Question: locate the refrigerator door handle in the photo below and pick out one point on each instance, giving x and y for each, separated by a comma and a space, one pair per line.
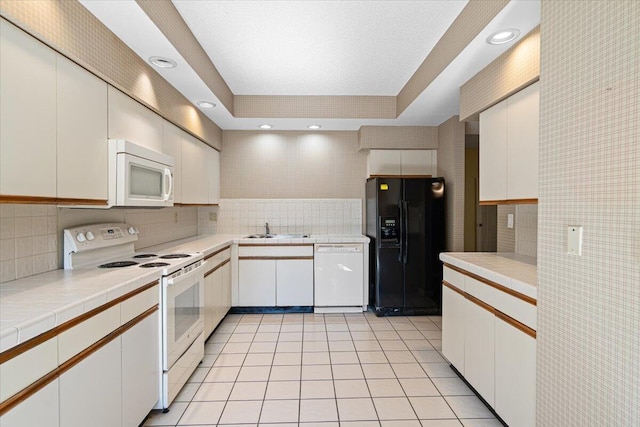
401, 216
405, 235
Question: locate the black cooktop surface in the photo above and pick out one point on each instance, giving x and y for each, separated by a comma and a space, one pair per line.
175, 256
154, 264
118, 264
145, 256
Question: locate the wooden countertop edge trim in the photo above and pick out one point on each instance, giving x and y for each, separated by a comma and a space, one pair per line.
509, 202
217, 267
33, 388
12, 199
217, 252
513, 322
255, 258
274, 244
37, 340
480, 303
497, 286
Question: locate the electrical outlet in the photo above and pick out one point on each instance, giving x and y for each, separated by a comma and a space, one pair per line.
574, 240
213, 216
175, 217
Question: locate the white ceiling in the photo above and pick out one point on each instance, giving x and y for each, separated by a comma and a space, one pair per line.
356, 48
318, 47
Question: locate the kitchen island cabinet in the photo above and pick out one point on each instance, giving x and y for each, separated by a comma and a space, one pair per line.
488, 335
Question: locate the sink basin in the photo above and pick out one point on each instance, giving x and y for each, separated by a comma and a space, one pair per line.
277, 236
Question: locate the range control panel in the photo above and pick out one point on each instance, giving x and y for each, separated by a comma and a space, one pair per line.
389, 231
96, 236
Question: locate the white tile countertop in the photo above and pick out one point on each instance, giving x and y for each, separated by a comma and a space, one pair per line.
36, 304
516, 272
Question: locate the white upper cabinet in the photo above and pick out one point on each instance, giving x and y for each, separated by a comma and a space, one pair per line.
172, 137
194, 185
509, 134
523, 136
134, 122
212, 174
493, 153
81, 133
402, 162
27, 115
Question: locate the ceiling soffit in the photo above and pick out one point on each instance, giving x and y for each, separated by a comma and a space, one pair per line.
473, 18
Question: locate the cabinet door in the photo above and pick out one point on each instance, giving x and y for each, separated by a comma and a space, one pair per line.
194, 186
479, 350
130, 120
82, 133
27, 115
416, 162
226, 288
91, 391
294, 282
385, 162
140, 370
212, 175
40, 410
453, 310
515, 376
256, 283
522, 151
172, 138
493, 153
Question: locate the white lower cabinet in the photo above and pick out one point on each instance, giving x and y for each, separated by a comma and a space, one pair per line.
257, 283
90, 392
479, 337
140, 370
453, 310
515, 394
294, 282
40, 410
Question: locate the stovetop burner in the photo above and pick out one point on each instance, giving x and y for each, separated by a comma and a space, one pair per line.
118, 264
154, 264
175, 256
145, 256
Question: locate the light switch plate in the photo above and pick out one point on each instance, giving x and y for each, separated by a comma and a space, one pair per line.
574, 240
509, 220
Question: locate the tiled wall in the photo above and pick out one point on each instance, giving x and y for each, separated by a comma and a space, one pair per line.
523, 237
589, 306
506, 236
398, 137
292, 165
451, 156
28, 240
285, 216
31, 235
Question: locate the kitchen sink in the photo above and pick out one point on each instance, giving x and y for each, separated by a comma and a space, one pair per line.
277, 236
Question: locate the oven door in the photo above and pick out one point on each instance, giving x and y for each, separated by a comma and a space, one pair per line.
142, 182
183, 317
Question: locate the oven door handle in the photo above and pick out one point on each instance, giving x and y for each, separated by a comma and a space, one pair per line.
182, 277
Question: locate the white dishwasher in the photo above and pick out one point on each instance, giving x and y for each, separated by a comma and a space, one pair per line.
338, 278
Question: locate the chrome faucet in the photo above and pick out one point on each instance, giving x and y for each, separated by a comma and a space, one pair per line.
266, 228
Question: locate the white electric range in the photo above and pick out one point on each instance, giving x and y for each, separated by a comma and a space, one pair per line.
111, 246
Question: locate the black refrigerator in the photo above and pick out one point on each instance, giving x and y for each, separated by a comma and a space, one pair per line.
406, 225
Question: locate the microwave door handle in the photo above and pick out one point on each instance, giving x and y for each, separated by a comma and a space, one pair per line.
176, 280
168, 177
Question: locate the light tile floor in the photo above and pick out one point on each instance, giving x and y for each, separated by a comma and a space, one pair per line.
314, 370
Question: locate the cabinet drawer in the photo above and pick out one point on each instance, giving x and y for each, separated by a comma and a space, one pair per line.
138, 304
81, 336
480, 290
454, 277
516, 308
219, 258
22, 370
279, 251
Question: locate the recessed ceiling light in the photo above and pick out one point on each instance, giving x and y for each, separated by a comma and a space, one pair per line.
205, 104
265, 126
503, 36
314, 127
162, 62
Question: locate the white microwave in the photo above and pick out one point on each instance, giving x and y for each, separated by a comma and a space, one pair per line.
138, 176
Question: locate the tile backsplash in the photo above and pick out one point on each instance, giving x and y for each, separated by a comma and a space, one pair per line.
28, 240
293, 216
523, 238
